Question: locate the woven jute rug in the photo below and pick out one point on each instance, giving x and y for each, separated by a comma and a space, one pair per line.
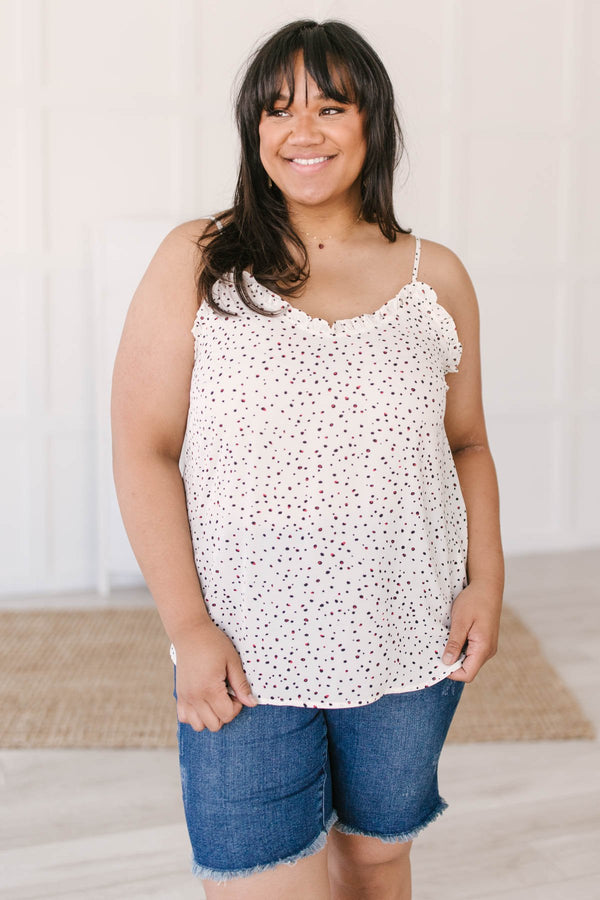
103, 678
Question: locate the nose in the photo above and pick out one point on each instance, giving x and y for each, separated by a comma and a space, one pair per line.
305, 130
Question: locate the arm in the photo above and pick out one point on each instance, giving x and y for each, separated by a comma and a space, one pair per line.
476, 610
149, 408
149, 402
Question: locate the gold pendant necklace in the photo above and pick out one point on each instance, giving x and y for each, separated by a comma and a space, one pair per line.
321, 241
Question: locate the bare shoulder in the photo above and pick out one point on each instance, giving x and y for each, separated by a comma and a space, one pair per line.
195, 228
154, 361
170, 280
184, 238
442, 268
192, 229
165, 301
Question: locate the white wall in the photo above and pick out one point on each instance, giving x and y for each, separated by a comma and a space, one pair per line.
122, 110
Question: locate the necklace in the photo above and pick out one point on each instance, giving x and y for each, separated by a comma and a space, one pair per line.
329, 237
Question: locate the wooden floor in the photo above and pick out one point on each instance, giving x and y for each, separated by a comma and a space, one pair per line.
523, 821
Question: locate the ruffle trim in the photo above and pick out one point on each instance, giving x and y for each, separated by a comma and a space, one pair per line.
225, 294
348, 326
315, 324
414, 293
445, 328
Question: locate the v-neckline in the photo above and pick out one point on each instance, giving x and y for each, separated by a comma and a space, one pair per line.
360, 322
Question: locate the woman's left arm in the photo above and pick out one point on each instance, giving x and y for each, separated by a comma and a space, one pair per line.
475, 617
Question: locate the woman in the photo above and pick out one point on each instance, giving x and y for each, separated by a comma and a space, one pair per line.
315, 551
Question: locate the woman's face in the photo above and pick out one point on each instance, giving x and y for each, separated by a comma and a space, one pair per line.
313, 149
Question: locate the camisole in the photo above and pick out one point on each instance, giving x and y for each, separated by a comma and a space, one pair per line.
327, 521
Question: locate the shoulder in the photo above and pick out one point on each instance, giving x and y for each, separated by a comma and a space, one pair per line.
169, 286
192, 229
179, 252
187, 233
442, 268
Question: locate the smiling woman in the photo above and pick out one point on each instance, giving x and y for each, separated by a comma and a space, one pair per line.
329, 567
344, 109
312, 150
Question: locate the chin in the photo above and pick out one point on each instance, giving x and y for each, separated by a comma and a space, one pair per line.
312, 198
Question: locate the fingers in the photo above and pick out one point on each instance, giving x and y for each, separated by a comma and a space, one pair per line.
213, 686
476, 656
238, 681
468, 670
224, 707
455, 644
475, 622
211, 714
188, 715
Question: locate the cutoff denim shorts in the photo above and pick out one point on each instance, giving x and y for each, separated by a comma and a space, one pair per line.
268, 786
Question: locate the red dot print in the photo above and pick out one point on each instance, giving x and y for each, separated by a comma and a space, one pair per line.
325, 511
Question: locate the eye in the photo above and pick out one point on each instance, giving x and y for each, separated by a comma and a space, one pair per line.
332, 109
276, 112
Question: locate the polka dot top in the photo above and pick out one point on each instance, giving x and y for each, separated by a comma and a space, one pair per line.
327, 520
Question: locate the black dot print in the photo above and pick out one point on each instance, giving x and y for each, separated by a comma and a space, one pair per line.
327, 520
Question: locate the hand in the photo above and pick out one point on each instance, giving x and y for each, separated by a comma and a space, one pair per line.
475, 618
206, 657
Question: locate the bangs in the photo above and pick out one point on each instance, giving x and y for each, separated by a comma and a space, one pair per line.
337, 76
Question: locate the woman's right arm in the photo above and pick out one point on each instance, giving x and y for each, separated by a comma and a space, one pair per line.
149, 407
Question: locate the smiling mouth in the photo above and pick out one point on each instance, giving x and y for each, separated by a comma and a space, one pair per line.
313, 161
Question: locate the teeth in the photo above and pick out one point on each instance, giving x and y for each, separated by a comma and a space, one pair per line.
311, 162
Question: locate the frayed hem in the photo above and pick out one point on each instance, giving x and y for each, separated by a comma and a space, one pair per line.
393, 838
222, 875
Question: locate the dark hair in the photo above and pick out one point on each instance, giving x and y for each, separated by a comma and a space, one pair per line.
346, 69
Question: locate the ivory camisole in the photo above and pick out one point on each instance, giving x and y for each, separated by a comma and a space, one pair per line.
327, 520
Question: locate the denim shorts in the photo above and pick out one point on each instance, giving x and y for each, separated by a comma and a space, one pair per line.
267, 787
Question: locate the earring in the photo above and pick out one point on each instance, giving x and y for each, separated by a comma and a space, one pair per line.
270, 183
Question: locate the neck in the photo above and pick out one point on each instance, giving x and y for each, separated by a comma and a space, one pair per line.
319, 221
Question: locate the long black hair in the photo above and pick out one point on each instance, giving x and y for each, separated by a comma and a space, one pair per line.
254, 230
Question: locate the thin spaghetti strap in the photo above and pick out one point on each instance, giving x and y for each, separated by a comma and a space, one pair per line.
417, 255
217, 222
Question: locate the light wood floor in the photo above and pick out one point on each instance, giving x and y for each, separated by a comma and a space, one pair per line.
523, 821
